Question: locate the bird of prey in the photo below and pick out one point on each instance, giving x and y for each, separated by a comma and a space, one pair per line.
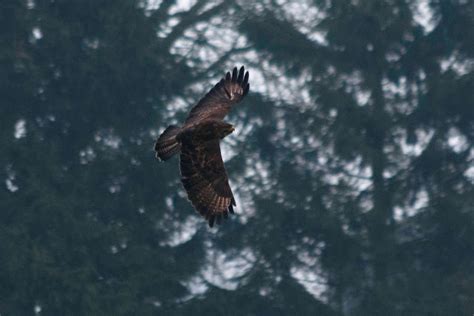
202, 170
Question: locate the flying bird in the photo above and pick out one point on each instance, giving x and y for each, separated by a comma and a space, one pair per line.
202, 169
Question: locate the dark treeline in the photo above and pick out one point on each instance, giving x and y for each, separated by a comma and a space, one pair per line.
352, 159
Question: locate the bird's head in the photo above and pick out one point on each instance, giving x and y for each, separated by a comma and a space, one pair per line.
225, 129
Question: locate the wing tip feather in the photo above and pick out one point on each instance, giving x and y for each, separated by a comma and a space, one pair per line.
211, 220
246, 89
240, 78
246, 78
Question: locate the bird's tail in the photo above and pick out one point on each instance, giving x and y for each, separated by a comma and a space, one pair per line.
167, 145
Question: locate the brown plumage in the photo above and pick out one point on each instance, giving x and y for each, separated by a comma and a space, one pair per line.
202, 170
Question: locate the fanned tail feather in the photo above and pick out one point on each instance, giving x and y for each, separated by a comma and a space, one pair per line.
167, 145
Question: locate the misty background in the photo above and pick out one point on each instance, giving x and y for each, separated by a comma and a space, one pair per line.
351, 163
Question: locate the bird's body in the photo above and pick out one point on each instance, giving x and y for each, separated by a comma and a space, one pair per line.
202, 170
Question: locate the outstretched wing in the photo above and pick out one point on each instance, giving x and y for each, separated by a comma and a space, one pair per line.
219, 100
205, 179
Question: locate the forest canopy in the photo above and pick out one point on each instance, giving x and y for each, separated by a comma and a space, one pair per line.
351, 160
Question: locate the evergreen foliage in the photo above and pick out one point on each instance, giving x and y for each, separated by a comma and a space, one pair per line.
352, 161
